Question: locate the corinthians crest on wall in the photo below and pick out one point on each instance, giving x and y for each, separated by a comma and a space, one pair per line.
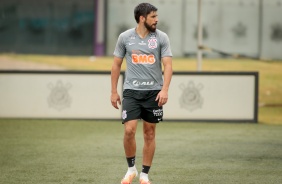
59, 97
191, 98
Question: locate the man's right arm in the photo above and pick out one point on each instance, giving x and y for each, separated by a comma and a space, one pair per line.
115, 73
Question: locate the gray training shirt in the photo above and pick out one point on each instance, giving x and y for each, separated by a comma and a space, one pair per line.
143, 58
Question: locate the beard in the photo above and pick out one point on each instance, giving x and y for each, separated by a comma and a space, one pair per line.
150, 28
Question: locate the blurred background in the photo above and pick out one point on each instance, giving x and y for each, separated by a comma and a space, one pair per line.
91, 27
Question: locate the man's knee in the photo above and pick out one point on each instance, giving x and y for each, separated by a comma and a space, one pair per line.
129, 132
130, 129
149, 134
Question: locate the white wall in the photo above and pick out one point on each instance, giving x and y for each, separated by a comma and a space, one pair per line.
212, 96
205, 96
56, 95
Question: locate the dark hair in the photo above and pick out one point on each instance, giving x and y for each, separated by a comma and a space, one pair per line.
143, 9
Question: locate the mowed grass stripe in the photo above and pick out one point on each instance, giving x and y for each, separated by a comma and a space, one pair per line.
73, 151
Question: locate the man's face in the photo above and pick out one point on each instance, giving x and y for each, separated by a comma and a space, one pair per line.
151, 21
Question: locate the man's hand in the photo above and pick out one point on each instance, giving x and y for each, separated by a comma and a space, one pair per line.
162, 97
115, 99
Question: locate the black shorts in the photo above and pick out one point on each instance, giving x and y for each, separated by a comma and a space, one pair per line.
141, 104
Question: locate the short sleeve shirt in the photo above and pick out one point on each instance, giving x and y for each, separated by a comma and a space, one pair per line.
143, 58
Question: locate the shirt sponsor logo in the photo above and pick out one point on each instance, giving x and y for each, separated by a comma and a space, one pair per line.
142, 43
158, 112
143, 59
138, 83
152, 43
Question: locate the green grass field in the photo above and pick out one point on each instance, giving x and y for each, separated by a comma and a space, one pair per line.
72, 151
91, 152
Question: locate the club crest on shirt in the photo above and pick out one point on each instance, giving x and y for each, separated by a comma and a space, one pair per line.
152, 43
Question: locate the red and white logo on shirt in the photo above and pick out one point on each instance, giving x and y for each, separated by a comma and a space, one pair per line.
143, 59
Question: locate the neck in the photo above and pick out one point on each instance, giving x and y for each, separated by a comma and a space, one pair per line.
142, 31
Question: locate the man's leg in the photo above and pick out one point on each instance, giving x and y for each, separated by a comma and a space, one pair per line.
149, 130
129, 143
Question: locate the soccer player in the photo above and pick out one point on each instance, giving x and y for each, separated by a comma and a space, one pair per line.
145, 90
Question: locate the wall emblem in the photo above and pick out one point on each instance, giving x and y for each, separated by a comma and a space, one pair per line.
239, 30
59, 97
191, 98
152, 43
276, 32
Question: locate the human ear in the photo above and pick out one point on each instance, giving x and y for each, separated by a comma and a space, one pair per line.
142, 18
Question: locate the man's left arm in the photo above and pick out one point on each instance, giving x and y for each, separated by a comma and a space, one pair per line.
162, 97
